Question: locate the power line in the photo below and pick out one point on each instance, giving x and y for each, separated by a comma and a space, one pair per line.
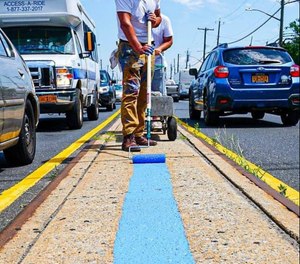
254, 29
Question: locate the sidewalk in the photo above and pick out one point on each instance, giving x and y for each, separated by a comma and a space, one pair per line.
79, 220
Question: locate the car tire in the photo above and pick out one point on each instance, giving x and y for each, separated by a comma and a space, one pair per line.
23, 153
290, 118
172, 129
75, 116
175, 99
110, 107
194, 114
257, 115
93, 109
210, 117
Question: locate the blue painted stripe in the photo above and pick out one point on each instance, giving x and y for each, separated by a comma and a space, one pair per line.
83, 74
151, 230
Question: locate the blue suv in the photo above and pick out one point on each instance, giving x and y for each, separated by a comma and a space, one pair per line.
241, 80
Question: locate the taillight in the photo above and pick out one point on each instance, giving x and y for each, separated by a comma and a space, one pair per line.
221, 72
295, 71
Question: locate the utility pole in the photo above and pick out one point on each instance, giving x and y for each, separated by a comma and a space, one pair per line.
218, 37
171, 71
205, 31
177, 62
187, 59
281, 23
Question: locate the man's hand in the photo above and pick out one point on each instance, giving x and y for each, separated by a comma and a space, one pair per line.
146, 49
151, 17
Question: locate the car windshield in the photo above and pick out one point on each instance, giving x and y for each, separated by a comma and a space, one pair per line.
41, 40
103, 77
255, 56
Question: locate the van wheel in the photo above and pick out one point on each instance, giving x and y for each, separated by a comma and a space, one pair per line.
110, 107
93, 109
257, 115
75, 116
172, 128
210, 118
23, 153
290, 118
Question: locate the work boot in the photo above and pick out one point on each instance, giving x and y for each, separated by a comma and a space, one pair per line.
142, 141
129, 142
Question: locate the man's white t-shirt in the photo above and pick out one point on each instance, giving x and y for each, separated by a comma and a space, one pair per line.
164, 30
137, 9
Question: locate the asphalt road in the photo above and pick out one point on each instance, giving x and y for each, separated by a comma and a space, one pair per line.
53, 136
266, 142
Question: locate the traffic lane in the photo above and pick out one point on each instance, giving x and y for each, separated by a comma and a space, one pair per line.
53, 135
266, 142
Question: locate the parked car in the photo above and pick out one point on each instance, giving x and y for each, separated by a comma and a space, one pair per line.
172, 89
19, 106
243, 80
107, 93
119, 92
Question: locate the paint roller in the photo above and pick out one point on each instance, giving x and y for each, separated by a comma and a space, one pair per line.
148, 158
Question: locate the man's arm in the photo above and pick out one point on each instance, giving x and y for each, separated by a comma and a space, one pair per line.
128, 29
167, 43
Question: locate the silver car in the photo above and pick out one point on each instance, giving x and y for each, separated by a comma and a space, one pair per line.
19, 106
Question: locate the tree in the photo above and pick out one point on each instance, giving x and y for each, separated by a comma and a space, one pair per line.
292, 43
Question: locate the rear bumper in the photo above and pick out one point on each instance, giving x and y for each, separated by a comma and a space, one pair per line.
269, 99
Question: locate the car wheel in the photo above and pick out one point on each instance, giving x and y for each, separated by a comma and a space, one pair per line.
172, 129
290, 118
175, 99
93, 109
75, 116
210, 117
23, 153
194, 114
257, 115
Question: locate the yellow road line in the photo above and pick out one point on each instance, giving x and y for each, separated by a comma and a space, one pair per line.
10, 195
269, 179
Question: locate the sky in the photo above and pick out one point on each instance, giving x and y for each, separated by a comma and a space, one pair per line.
187, 16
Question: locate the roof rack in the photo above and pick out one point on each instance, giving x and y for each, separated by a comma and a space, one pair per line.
222, 45
273, 44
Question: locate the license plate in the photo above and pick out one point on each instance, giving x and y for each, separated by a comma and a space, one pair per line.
48, 98
260, 78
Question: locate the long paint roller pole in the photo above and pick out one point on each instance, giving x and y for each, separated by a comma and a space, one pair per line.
149, 77
149, 158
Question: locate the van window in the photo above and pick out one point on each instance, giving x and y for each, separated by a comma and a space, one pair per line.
41, 39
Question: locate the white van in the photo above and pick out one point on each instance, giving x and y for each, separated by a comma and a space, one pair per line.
184, 80
57, 40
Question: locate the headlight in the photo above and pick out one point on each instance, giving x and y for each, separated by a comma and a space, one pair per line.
64, 77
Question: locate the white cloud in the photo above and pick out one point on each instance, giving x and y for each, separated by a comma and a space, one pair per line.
191, 3
196, 3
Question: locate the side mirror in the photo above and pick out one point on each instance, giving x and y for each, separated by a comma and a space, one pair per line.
89, 41
84, 55
193, 72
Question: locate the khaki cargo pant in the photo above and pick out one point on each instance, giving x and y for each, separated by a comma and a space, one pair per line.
134, 100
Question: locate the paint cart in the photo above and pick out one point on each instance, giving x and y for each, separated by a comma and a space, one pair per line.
162, 119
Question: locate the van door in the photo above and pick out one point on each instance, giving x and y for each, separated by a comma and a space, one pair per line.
80, 67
